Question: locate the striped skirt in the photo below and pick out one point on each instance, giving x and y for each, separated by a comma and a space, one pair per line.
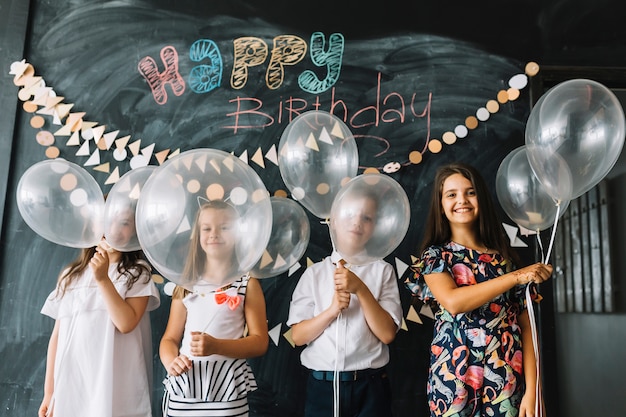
210, 388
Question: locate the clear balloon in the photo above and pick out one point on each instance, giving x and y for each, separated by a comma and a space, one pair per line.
288, 240
522, 196
204, 185
62, 203
576, 128
317, 153
369, 218
120, 207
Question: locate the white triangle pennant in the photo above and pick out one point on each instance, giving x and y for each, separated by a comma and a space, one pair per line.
401, 267
272, 156
109, 138
325, 137
94, 159
184, 226
293, 268
275, 333
519, 243
114, 177
83, 150
148, 150
511, 232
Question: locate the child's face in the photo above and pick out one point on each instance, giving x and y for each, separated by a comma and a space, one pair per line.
354, 224
458, 200
217, 233
122, 228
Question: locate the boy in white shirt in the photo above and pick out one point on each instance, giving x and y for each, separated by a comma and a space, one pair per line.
347, 312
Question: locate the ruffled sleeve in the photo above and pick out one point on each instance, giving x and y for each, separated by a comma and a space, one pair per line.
52, 305
431, 261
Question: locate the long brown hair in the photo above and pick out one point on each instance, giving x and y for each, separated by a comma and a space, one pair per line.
489, 227
129, 265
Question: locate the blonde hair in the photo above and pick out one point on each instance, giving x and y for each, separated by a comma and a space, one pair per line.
196, 258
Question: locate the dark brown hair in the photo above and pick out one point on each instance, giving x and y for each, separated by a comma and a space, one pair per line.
488, 227
129, 264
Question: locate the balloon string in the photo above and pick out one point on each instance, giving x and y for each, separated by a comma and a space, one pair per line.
556, 220
326, 221
540, 243
336, 370
533, 326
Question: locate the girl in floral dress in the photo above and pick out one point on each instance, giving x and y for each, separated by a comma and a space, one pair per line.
482, 361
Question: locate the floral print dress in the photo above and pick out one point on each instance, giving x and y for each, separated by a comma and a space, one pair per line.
476, 357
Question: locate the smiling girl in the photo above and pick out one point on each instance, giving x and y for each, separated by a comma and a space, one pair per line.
482, 361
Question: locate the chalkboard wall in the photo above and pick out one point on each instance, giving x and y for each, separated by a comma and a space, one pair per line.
400, 82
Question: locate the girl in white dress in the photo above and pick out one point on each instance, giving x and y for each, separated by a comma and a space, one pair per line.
99, 361
213, 326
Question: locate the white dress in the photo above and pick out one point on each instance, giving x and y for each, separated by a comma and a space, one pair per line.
100, 372
216, 385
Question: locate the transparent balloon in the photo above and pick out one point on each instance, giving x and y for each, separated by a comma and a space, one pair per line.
62, 203
523, 197
288, 240
205, 184
369, 218
578, 127
120, 208
317, 153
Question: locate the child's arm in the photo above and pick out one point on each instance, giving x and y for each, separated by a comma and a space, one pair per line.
45, 408
527, 406
306, 331
378, 319
254, 344
174, 363
125, 313
466, 298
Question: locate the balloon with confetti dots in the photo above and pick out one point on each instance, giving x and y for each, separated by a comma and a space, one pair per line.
317, 154
62, 203
171, 200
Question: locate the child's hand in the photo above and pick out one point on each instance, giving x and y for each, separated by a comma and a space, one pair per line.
202, 344
44, 409
99, 263
346, 280
341, 301
527, 406
536, 273
179, 365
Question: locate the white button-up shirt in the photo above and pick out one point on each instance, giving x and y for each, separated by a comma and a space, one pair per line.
347, 341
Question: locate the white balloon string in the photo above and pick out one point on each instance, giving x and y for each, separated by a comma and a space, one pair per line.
533, 326
556, 220
336, 370
540, 243
327, 223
